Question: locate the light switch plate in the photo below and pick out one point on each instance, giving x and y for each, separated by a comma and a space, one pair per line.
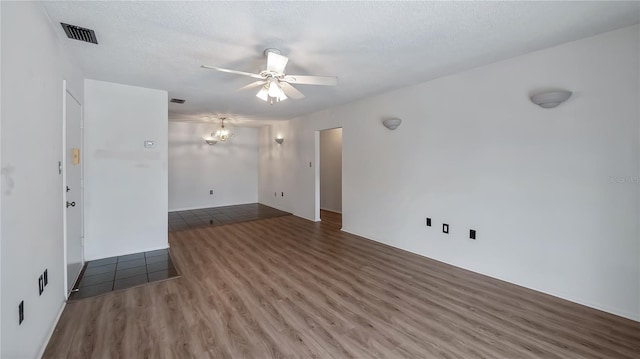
149, 144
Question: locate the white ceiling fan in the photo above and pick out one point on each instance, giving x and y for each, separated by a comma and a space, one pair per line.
276, 85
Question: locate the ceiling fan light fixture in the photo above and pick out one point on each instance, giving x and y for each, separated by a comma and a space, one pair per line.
271, 92
263, 94
274, 90
281, 96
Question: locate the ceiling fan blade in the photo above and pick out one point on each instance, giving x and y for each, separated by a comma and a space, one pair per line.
276, 63
291, 91
252, 85
255, 76
311, 80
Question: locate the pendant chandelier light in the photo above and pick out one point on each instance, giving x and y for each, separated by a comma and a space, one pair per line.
222, 134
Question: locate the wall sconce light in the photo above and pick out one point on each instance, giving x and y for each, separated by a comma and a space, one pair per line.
279, 140
211, 142
550, 99
392, 123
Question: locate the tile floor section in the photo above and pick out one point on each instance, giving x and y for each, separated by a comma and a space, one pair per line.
105, 275
221, 215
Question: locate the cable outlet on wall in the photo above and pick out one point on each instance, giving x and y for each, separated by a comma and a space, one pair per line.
40, 284
46, 277
211, 192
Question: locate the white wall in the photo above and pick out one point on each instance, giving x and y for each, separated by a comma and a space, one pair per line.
0, 187
331, 170
33, 68
229, 168
125, 183
286, 168
553, 193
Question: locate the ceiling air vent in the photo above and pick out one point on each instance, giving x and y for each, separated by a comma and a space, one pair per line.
177, 100
79, 33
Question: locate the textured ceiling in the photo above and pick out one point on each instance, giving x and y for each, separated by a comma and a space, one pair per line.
372, 47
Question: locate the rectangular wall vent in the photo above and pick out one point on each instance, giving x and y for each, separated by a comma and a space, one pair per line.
79, 33
177, 100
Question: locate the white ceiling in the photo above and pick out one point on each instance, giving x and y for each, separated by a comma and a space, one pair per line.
372, 47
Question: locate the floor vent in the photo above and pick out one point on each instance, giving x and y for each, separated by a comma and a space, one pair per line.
177, 100
79, 33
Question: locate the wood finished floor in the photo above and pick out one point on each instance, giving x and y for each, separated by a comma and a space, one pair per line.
289, 288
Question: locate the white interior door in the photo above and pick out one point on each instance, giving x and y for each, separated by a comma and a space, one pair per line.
73, 190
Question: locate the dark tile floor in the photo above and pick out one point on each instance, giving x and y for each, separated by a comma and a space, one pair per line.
221, 215
108, 274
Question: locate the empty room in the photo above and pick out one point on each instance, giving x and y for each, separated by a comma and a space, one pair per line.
314, 179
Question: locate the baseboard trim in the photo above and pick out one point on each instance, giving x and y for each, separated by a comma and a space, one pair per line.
331, 210
597, 306
51, 330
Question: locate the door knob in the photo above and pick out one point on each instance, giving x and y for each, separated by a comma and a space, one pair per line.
71, 204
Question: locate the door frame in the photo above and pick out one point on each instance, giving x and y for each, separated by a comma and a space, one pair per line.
65, 93
316, 174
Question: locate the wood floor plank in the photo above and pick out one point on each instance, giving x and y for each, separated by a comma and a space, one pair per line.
450, 299
289, 288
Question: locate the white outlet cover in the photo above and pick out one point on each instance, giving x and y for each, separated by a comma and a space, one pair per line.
149, 144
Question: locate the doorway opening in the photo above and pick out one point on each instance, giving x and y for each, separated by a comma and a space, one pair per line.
329, 176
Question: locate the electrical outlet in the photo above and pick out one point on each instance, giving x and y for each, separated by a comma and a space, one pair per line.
46, 277
472, 234
20, 312
428, 222
211, 192
40, 285
282, 194
445, 228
